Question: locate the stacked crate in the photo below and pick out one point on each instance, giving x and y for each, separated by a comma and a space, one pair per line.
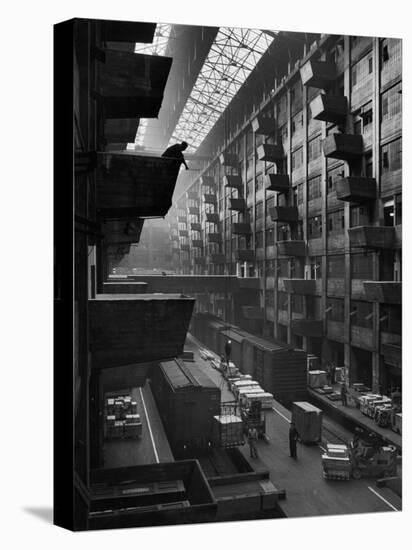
227, 430
122, 419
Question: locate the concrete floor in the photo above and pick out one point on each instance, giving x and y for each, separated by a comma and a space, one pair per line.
152, 447
307, 493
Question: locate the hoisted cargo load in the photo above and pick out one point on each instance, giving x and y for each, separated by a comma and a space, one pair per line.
227, 430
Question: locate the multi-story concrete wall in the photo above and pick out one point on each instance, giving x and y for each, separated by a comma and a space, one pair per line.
310, 188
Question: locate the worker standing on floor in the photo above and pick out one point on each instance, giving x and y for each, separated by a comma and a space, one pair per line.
344, 395
252, 436
332, 373
293, 438
228, 350
176, 152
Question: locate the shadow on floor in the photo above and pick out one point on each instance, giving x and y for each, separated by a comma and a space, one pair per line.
42, 512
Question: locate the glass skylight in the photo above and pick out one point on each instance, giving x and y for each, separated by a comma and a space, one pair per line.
159, 44
232, 57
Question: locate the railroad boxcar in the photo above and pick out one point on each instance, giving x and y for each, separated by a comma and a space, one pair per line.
280, 369
187, 400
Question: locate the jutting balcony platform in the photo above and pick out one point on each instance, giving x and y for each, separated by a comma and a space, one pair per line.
168, 493
248, 283
207, 181
122, 231
384, 292
234, 182
117, 251
307, 327
330, 108
197, 284
368, 236
192, 195
120, 130
286, 214
229, 159
356, 189
252, 312
292, 248
277, 182
238, 205
209, 198
270, 153
242, 255
129, 84
300, 286
133, 328
392, 354
195, 227
212, 217
264, 126
241, 229
131, 186
127, 31
113, 287
196, 243
343, 146
318, 74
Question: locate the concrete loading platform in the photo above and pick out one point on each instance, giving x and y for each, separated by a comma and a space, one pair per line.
350, 416
151, 448
307, 493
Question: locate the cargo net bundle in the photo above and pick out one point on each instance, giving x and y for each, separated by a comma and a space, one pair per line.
228, 426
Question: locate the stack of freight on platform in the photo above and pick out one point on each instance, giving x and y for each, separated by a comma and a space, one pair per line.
227, 430
122, 419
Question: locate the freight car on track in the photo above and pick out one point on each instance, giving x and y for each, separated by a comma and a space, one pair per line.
187, 400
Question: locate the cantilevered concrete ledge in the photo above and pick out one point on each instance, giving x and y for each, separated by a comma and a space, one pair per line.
133, 328
196, 284
385, 292
300, 286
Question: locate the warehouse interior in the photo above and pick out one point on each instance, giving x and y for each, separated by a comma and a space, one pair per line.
261, 288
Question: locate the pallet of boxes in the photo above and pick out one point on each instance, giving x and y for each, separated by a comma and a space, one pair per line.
122, 420
227, 430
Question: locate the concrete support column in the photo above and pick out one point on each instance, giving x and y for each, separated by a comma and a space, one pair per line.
349, 374
289, 171
378, 214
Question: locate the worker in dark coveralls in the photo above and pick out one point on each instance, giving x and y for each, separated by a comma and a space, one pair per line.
332, 374
176, 152
293, 438
228, 350
252, 436
344, 395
